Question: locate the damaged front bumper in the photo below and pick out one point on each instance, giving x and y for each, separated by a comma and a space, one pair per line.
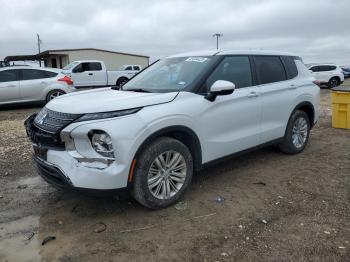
65, 169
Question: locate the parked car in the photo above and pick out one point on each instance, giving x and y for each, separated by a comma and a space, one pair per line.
346, 72
327, 74
23, 84
175, 117
93, 73
4, 63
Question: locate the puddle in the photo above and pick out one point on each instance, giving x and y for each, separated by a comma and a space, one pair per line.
14, 243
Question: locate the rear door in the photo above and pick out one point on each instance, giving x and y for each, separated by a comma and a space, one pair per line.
276, 92
9, 86
325, 73
33, 83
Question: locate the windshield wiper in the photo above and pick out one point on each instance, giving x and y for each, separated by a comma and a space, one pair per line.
138, 90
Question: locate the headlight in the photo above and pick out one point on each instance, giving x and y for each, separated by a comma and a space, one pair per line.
102, 143
96, 116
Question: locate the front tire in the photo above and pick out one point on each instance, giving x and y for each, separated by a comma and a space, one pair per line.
297, 133
163, 173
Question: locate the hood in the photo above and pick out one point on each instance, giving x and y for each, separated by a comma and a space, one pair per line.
105, 100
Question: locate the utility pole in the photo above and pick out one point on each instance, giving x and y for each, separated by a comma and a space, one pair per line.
39, 43
217, 35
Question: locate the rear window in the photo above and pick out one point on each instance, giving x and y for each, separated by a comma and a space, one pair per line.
291, 67
32, 74
9, 75
270, 69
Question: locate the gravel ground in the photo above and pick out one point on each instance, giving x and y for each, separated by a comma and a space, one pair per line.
276, 208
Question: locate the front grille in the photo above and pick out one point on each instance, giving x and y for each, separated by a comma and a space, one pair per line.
40, 137
52, 121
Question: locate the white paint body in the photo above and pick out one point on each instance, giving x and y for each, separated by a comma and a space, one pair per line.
100, 78
244, 119
31, 90
325, 76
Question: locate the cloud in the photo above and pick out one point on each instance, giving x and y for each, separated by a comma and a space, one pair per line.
318, 31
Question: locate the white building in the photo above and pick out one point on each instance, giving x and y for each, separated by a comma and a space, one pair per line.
61, 57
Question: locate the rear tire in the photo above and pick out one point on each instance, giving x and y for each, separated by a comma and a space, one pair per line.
53, 94
163, 173
297, 133
333, 82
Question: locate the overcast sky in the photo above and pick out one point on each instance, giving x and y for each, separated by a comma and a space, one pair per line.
319, 31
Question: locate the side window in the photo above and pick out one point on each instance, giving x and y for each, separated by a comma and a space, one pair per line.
8, 75
78, 69
136, 68
128, 68
235, 69
314, 69
92, 66
270, 69
332, 68
95, 66
324, 68
292, 70
50, 74
31, 74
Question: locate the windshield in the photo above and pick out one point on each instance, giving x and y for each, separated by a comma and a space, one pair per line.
70, 66
169, 75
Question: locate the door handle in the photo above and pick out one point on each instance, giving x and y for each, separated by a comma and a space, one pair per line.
252, 95
90, 74
11, 86
292, 87
43, 82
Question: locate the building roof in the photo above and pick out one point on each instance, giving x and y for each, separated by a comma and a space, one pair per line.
48, 52
87, 49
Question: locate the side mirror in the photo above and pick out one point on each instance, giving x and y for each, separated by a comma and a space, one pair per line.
220, 88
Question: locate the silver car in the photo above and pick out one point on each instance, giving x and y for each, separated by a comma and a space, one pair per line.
29, 84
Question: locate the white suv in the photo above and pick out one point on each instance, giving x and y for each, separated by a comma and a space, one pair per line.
177, 116
327, 74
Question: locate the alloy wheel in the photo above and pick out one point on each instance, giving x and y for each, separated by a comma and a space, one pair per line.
334, 83
167, 174
299, 132
55, 94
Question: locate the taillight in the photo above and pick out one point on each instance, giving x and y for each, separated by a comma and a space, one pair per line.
67, 80
316, 82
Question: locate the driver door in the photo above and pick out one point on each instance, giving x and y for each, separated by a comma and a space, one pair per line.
231, 123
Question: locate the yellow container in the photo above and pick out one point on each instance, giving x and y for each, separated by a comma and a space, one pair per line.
341, 107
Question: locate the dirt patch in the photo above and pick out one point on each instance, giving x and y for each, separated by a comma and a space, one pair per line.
272, 207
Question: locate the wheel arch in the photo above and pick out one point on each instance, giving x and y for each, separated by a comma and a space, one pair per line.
182, 133
308, 108
121, 78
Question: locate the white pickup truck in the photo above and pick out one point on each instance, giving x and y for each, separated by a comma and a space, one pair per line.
93, 73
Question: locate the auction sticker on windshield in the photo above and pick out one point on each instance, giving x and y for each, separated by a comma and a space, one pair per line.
196, 59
